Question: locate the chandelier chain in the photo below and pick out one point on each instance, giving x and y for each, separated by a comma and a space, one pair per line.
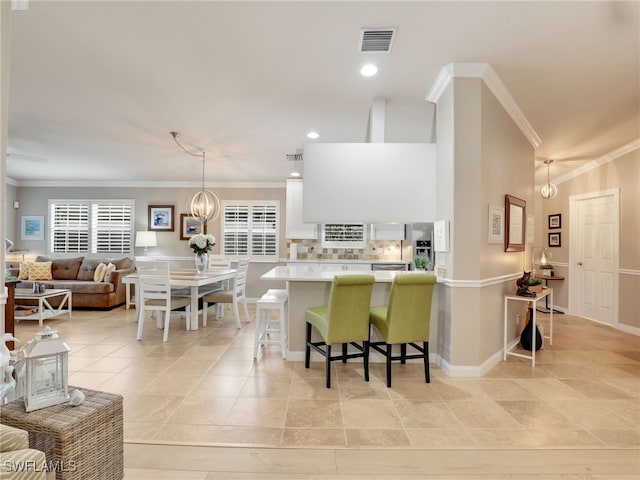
205, 205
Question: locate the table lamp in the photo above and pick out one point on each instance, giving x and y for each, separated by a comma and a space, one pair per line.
146, 239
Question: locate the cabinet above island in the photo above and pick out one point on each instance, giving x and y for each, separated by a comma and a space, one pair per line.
295, 227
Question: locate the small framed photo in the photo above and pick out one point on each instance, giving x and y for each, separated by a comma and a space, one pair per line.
495, 227
32, 228
161, 218
555, 239
190, 226
555, 221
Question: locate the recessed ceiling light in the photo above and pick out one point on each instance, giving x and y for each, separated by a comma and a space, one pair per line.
313, 135
369, 70
295, 174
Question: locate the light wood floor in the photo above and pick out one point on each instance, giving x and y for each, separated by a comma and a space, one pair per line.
200, 407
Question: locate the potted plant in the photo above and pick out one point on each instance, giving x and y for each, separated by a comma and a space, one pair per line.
547, 269
420, 263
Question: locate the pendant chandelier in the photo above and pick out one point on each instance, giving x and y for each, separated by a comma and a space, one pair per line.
205, 205
549, 190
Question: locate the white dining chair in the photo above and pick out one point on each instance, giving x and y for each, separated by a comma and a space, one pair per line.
154, 294
217, 262
234, 296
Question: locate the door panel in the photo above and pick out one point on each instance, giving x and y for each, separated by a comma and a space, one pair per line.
596, 257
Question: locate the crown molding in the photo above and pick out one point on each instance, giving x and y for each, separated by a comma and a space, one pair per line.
606, 158
493, 82
129, 184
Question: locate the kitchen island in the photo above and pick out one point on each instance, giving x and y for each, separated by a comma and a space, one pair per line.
309, 286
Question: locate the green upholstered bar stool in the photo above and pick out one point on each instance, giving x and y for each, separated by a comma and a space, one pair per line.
345, 320
406, 319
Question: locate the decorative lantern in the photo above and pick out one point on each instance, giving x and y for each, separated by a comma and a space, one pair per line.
45, 370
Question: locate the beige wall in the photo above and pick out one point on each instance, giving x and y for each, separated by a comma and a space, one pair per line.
482, 155
34, 201
622, 173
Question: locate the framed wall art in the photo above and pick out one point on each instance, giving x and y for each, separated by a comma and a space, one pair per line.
32, 227
555, 221
161, 218
555, 239
190, 226
495, 226
515, 213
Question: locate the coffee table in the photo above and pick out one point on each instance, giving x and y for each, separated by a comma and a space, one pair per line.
44, 308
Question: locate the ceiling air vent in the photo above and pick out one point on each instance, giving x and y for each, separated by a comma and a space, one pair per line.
377, 39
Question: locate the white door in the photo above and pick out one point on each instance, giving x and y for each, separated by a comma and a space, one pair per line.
594, 246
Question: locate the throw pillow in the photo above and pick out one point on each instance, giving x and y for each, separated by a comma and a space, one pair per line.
107, 271
98, 276
88, 269
40, 271
24, 271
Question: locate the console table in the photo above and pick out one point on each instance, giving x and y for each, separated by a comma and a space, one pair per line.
81, 443
545, 293
546, 279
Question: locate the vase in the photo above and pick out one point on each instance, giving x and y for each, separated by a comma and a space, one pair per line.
202, 260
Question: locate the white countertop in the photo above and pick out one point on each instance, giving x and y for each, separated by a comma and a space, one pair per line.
302, 273
340, 260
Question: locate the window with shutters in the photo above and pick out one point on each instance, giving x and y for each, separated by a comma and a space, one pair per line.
91, 226
251, 228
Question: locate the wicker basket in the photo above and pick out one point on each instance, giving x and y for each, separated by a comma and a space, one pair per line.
81, 443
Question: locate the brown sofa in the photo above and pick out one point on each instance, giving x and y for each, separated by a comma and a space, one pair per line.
77, 274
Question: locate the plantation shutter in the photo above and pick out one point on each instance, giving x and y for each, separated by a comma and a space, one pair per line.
236, 230
251, 229
264, 231
91, 226
69, 227
111, 227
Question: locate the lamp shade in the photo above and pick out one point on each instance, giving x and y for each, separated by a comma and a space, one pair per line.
146, 239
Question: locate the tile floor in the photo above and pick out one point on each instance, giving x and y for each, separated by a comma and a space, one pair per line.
203, 388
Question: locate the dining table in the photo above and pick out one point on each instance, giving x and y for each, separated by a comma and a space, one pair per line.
186, 278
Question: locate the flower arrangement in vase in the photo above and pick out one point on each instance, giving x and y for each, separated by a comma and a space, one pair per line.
201, 244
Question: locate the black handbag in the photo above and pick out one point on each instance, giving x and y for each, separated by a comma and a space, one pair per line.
525, 337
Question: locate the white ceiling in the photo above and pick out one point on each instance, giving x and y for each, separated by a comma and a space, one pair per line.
95, 87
